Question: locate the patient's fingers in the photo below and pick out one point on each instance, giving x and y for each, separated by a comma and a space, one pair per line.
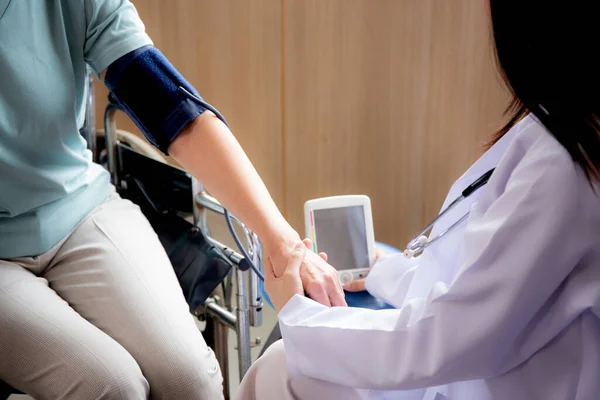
355, 286
323, 256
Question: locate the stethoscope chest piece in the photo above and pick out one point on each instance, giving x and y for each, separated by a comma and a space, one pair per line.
416, 246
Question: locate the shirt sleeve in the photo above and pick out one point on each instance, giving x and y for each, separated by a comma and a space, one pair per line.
113, 29
517, 254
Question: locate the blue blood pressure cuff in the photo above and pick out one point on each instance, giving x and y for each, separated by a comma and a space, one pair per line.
153, 94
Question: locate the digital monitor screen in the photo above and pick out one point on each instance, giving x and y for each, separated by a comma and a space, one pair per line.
341, 233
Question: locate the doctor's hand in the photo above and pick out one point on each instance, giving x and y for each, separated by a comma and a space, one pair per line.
282, 288
319, 280
359, 285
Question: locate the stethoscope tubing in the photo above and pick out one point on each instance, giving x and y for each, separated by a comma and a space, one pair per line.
420, 242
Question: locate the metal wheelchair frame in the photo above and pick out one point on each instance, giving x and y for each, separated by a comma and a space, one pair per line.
224, 315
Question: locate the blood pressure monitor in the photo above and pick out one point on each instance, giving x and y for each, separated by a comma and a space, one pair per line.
342, 227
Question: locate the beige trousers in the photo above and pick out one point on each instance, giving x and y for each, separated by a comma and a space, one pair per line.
101, 316
270, 379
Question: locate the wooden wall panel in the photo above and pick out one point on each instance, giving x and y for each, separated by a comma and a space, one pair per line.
230, 50
390, 98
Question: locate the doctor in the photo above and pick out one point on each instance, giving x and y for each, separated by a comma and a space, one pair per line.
506, 305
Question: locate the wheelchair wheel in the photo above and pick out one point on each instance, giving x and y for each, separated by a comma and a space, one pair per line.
209, 333
274, 336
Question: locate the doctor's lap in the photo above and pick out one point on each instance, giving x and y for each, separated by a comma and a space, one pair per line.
270, 379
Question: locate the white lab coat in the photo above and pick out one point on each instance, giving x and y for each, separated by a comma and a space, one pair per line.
505, 307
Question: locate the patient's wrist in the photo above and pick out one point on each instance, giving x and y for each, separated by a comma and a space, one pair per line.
279, 244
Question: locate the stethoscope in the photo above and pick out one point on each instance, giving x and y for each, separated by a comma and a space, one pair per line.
420, 242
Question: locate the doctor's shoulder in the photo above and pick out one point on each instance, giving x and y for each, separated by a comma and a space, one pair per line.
541, 165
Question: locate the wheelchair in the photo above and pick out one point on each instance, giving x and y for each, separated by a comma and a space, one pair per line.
228, 296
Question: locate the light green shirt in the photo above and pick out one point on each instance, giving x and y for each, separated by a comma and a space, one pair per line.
48, 182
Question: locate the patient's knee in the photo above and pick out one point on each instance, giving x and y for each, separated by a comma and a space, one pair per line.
118, 379
187, 375
126, 386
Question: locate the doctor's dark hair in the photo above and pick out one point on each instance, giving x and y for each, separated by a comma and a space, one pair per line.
548, 55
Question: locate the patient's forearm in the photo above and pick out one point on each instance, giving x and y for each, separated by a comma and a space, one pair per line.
210, 152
